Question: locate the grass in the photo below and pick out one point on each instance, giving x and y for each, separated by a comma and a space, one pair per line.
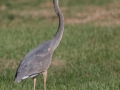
88, 57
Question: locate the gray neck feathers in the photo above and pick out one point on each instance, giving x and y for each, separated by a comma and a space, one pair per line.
58, 36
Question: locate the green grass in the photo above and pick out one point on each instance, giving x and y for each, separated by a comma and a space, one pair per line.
88, 57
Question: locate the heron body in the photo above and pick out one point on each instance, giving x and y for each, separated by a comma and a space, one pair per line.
38, 60
35, 62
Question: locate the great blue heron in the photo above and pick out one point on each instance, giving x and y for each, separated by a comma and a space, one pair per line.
38, 60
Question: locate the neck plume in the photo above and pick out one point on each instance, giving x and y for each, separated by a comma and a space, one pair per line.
58, 36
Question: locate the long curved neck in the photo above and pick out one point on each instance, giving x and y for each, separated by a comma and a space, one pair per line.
58, 36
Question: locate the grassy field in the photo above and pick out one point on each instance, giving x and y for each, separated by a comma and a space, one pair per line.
88, 57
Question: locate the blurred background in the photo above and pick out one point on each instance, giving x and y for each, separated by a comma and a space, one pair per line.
88, 57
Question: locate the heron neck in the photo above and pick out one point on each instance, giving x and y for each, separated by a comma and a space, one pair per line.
58, 36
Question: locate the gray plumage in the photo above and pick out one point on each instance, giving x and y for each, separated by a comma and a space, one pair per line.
35, 62
38, 60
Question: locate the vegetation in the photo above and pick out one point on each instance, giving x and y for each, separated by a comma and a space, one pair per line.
88, 57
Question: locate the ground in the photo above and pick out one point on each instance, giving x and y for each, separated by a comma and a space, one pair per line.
88, 57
